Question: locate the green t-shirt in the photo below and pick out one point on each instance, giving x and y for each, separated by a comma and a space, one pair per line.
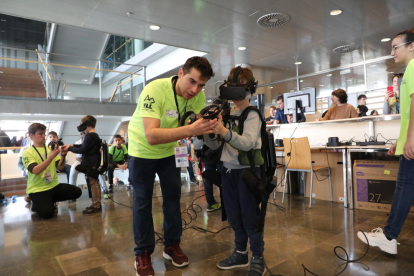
406, 90
118, 154
157, 101
37, 183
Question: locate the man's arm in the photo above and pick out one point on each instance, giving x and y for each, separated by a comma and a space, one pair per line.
39, 168
60, 164
156, 135
409, 145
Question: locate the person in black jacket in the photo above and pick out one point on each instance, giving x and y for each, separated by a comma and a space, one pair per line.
91, 159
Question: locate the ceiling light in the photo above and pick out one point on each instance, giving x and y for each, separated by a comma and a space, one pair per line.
1, 72
301, 80
390, 72
99, 115
271, 87
329, 75
298, 62
373, 65
336, 12
127, 94
154, 27
129, 14
385, 39
321, 85
26, 114
68, 92
242, 48
84, 80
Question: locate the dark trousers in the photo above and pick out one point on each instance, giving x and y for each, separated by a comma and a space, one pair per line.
44, 202
242, 210
67, 171
111, 167
402, 200
190, 170
142, 173
208, 185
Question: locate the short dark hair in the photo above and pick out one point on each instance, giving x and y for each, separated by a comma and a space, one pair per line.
35, 127
362, 108
91, 119
373, 111
274, 107
341, 95
201, 64
52, 133
117, 136
280, 98
408, 36
361, 97
245, 75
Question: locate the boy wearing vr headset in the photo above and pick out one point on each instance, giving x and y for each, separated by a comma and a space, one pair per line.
91, 159
241, 205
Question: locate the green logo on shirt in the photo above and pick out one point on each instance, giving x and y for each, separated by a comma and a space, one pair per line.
148, 102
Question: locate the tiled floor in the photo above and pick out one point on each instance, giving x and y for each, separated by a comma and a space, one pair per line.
102, 244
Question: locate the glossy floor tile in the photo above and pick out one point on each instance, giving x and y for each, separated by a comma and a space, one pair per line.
102, 244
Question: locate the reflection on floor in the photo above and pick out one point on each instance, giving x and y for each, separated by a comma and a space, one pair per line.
102, 244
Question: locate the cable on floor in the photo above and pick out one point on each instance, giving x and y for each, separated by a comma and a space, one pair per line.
346, 260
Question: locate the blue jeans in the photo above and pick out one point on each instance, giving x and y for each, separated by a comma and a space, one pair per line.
402, 200
142, 174
242, 210
208, 185
190, 171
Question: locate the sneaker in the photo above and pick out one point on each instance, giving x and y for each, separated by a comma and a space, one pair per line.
377, 238
193, 182
27, 199
257, 267
142, 264
174, 253
213, 207
92, 210
234, 260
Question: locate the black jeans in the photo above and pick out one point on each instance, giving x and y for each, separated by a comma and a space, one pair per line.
111, 168
242, 210
142, 174
43, 202
208, 185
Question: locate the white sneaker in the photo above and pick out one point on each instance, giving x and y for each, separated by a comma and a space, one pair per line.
377, 238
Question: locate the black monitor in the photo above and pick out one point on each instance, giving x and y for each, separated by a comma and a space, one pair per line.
299, 103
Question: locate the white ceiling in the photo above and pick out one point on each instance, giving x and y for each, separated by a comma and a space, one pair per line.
220, 27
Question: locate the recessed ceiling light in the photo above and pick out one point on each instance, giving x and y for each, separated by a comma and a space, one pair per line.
154, 27
385, 39
298, 62
68, 92
329, 75
26, 114
321, 85
390, 72
271, 87
1, 72
336, 12
350, 80
242, 48
301, 80
127, 94
129, 14
84, 80
99, 115
373, 65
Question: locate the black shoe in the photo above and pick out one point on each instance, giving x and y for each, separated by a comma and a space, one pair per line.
194, 182
111, 188
92, 210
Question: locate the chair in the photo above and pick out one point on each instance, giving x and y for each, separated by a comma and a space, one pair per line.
298, 158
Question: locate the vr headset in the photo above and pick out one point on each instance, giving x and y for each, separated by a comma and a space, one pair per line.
82, 127
235, 91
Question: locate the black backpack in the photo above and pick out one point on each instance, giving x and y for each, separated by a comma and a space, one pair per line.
261, 185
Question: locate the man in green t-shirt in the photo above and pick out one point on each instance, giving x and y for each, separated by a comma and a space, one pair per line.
153, 133
118, 158
43, 186
402, 49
